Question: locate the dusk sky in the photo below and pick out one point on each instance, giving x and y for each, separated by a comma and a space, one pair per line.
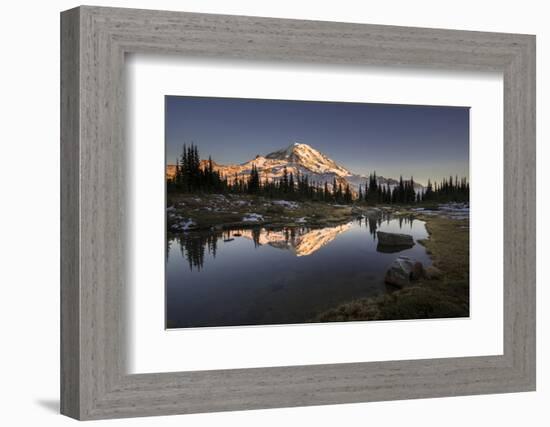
409, 140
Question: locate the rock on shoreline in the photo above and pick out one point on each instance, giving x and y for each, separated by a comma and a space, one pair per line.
403, 270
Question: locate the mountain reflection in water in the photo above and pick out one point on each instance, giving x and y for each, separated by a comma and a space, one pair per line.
301, 241
259, 276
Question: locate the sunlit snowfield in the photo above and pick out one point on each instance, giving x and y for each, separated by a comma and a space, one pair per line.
256, 276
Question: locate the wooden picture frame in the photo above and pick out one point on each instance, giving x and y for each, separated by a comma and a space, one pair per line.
94, 382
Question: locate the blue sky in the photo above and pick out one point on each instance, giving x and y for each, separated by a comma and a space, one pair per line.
409, 140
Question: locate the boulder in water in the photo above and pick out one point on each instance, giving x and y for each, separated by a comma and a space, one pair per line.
394, 239
393, 242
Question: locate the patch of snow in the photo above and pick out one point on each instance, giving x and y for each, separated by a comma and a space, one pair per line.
286, 204
430, 212
252, 217
171, 213
450, 210
184, 225
301, 220
455, 207
458, 216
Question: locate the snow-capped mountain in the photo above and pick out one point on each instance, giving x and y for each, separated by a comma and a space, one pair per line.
308, 158
299, 159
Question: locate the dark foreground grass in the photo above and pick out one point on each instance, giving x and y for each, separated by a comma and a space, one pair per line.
442, 297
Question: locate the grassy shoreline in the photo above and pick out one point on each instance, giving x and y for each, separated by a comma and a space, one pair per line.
223, 212
440, 297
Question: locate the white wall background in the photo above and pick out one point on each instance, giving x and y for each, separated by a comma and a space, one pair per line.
29, 212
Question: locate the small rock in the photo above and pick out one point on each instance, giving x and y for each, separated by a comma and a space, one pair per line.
403, 270
417, 270
433, 272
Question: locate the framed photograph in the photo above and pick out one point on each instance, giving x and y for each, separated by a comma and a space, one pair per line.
262, 213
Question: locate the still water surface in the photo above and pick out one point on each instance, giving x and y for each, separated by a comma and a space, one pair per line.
258, 276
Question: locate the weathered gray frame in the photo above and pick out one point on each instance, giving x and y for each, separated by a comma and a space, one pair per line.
94, 41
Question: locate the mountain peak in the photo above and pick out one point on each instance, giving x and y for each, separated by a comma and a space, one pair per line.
309, 158
299, 145
285, 153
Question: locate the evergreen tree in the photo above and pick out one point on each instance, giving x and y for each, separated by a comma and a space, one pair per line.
401, 191
284, 183
291, 184
254, 180
428, 194
339, 193
347, 194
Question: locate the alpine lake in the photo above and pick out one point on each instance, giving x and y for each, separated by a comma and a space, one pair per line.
237, 265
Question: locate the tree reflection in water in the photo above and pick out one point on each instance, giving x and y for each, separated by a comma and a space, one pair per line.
373, 222
302, 240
